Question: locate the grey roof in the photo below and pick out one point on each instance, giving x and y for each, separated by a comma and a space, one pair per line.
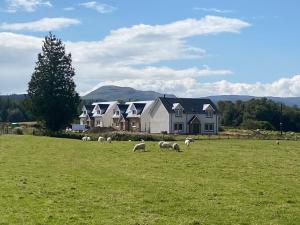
190, 105
123, 108
139, 107
103, 107
89, 107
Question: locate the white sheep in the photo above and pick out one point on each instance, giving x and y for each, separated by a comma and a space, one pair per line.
187, 142
159, 143
190, 139
277, 142
101, 139
176, 147
88, 138
108, 139
84, 138
165, 145
142, 140
140, 146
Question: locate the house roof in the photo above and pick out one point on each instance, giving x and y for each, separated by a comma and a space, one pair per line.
139, 107
89, 107
122, 108
190, 105
193, 118
103, 107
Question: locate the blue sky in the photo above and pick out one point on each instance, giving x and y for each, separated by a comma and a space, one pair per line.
190, 48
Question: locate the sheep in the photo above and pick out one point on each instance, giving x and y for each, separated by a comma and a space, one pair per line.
142, 140
86, 138
277, 142
140, 146
176, 147
159, 143
101, 139
187, 142
108, 139
165, 145
190, 139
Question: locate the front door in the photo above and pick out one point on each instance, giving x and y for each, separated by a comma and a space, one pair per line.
196, 128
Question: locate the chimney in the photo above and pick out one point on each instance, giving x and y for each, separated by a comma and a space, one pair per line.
164, 96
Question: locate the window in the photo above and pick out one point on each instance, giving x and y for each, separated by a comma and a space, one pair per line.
117, 124
117, 113
133, 124
98, 112
178, 126
178, 113
209, 113
84, 112
133, 111
209, 127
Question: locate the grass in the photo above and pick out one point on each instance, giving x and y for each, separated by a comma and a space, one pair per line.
60, 181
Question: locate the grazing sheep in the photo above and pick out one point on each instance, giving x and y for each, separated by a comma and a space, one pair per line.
142, 140
277, 142
129, 140
101, 139
159, 143
187, 142
108, 139
140, 146
88, 138
84, 138
176, 147
190, 139
166, 145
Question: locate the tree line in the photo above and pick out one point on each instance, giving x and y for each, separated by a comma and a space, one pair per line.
259, 114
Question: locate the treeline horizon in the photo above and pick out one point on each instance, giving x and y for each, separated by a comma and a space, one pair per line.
259, 114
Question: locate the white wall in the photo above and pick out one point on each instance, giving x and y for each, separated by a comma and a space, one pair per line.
159, 118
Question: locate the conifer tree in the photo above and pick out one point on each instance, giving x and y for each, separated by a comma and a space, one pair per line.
51, 89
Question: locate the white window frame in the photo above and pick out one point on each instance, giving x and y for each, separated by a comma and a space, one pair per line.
134, 112
176, 127
178, 112
209, 113
210, 126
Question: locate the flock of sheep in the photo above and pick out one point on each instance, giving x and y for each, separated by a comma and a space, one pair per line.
142, 146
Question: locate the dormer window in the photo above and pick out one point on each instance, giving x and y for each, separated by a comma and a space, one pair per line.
117, 112
84, 112
98, 111
209, 113
178, 112
134, 111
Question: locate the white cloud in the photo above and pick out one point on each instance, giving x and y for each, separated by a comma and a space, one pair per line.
45, 24
125, 56
99, 7
215, 10
69, 8
191, 87
26, 5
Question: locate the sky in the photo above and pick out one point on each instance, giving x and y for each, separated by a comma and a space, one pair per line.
190, 48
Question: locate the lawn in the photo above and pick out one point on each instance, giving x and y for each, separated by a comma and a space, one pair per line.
60, 181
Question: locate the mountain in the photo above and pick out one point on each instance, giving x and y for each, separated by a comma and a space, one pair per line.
111, 93
290, 101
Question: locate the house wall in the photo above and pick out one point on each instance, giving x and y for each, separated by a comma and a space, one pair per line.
187, 117
107, 117
137, 124
159, 118
145, 118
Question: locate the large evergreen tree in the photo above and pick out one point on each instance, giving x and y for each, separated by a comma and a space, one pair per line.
52, 89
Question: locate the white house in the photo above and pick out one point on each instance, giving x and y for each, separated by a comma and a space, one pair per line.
184, 116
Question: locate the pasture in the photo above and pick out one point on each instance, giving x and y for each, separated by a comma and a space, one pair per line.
61, 181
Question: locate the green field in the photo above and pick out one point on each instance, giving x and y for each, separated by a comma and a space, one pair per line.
60, 181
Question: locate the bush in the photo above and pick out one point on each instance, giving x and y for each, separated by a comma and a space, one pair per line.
18, 131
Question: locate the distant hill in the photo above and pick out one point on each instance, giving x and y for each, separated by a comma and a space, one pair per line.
290, 101
111, 93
